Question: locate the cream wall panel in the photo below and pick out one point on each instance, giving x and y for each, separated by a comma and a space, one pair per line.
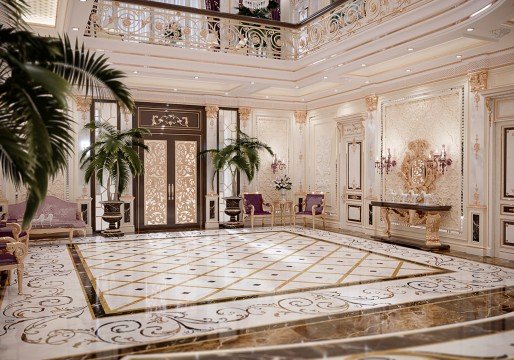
321, 165
438, 118
274, 131
504, 109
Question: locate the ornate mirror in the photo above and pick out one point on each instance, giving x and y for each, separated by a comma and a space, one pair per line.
416, 170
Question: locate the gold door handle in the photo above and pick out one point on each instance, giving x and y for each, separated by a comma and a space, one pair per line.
172, 191
169, 192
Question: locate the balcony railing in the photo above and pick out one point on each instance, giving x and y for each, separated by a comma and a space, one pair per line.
177, 26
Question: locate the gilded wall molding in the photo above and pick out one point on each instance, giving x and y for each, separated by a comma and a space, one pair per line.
244, 113
371, 102
477, 82
211, 112
489, 106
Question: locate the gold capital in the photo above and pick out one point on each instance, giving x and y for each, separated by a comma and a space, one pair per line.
244, 113
371, 102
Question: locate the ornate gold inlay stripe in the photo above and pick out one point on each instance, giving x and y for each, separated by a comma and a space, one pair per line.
186, 184
155, 181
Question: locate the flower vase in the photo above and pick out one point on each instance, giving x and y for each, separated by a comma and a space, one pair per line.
283, 194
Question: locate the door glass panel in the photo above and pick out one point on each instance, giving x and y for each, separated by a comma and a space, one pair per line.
155, 183
185, 178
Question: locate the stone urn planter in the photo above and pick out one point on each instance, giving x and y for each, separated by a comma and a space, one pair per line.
232, 209
112, 215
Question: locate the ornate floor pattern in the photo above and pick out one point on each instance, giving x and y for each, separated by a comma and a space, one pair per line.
62, 315
137, 275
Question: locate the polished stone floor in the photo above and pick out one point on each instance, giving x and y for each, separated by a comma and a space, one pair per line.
382, 301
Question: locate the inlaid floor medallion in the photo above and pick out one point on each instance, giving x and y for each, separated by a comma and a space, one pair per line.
163, 273
158, 292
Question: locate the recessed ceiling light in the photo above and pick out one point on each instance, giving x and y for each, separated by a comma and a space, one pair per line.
459, 56
366, 82
196, 77
136, 72
253, 83
296, 87
226, 93
267, 97
83, 0
339, 65
303, 99
335, 90
174, 89
408, 70
363, 65
75, 28
410, 49
470, 29
100, 50
325, 77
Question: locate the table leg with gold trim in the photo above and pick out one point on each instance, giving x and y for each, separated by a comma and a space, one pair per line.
385, 215
433, 222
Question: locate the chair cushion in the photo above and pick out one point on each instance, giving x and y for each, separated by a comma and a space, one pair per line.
7, 259
255, 200
314, 199
8, 232
57, 223
262, 213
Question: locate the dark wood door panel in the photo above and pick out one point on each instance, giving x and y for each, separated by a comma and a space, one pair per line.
171, 192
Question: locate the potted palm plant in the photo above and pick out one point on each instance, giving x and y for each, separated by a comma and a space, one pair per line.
114, 155
37, 75
240, 155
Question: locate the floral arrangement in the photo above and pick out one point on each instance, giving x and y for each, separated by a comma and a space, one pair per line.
283, 183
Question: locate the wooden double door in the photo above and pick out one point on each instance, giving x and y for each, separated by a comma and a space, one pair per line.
171, 192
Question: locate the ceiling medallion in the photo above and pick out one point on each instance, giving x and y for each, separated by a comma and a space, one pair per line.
256, 4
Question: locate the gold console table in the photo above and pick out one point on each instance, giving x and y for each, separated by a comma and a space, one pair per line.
415, 214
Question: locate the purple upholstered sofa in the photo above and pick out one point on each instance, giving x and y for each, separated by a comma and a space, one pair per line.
53, 216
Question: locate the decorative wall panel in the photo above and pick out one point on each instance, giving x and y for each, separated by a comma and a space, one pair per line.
58, 187
354, 165
438, 118
508, 233
155, 183
325, 177
157, 117
274, 132
185, 177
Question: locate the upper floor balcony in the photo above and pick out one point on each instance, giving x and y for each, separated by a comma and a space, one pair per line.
163, 24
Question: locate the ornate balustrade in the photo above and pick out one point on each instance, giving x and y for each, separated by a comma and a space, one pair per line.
177, 26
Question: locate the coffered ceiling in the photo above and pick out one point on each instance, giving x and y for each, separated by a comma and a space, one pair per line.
438, 40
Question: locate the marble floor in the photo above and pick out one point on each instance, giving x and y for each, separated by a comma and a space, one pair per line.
284, 293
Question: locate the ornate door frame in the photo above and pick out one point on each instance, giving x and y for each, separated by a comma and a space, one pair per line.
177, 180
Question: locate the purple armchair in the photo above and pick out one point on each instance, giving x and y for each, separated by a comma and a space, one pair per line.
253, 207
12, 254
312, 206
10, 228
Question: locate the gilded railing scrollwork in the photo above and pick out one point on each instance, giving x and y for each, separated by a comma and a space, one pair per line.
197, 30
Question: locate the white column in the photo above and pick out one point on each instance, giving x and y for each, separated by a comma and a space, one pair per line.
371, 184
476, 142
